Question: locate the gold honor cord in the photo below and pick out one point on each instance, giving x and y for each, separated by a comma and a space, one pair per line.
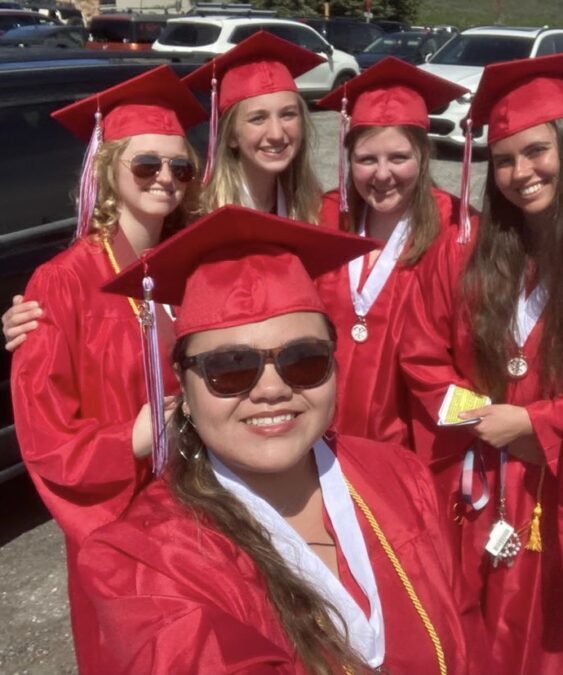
364, 508
113, 262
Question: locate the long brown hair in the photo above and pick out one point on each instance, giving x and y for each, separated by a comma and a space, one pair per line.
425, 219
300, 185
106, 212
492, 280
306, 617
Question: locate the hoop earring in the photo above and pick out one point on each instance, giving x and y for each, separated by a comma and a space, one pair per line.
188, 421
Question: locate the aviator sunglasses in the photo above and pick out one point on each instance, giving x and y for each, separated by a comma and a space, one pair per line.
303, 364
148, 165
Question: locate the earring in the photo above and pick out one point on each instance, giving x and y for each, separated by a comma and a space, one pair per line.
188, 421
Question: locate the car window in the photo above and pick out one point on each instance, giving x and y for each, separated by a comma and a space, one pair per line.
189, 34
480, 50
147, 31
111, 31
299, 35
240, 33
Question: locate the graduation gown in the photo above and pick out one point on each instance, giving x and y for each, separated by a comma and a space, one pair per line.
521, 604
372, 397
174, 595
77, 387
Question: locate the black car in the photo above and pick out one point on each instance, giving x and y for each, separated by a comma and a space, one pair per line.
40, 164
412, 46
14, 18
345, 34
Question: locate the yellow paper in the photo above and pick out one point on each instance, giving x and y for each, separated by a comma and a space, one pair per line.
459, 399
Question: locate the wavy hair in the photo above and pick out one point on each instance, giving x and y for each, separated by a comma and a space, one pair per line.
106, 212
492, 280
300, 185
425, 219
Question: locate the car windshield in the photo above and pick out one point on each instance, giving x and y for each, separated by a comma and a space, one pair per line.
391, 44
480, 50
189, 35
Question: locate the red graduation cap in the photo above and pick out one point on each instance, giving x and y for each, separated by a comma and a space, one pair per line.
237, 266
516, 95
392, 92
155, 102
261, 64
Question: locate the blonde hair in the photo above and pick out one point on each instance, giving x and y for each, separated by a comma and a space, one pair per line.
425, 218
300, 185
106, 212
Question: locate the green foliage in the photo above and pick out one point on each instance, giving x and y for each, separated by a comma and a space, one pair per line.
397, 9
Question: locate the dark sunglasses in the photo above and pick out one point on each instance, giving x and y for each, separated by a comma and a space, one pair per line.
148, 166
303, 364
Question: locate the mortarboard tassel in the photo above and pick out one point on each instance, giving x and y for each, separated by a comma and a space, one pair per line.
153, 376
213, 127
88, 190
343, 158
465, 222
534, 536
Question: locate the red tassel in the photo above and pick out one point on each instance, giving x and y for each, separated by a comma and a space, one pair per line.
464, 219
343, 157
88, 191
213, 129
153, 376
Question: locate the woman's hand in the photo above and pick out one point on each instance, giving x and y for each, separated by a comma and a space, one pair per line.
500, 424
142, 428
19, 320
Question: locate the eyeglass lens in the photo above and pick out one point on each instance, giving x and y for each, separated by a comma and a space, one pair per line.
148, 166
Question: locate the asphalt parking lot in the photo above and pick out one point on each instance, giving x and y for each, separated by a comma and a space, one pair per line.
35, 636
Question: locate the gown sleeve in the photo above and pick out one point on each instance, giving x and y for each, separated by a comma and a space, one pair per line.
84, 468
157, 618
546, 417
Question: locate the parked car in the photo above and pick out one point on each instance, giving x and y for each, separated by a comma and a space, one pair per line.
17, 18
411, 46
128, 31
40, 164
390, 25
463, 59
65, 12
345, 34
60, 37
210, 36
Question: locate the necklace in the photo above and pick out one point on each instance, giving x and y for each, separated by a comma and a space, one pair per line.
115, 266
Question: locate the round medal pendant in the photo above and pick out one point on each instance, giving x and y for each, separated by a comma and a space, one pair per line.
517, 366
359, 332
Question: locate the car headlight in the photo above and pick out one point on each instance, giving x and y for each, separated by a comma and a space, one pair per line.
466, 98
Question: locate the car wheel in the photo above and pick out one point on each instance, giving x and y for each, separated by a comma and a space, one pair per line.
343, 77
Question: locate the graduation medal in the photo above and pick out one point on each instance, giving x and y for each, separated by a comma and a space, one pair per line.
359, 330
517, 366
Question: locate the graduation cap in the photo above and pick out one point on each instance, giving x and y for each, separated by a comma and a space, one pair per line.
261, 64
155, 102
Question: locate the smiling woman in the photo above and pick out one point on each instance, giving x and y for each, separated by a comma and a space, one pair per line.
256, 551
78, 386
260, 154
488, 315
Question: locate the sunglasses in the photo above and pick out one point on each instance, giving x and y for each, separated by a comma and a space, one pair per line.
304, 364
148, 166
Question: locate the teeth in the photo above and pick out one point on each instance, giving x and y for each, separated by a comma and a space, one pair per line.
269, 421
532, 189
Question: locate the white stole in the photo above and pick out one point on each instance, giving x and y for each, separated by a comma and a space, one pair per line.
381, 271
365, 635
528, 312
281, 202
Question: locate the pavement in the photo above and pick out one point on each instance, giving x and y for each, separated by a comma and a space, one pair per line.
35, 638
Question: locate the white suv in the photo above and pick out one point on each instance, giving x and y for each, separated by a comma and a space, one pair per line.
462, 60
207, 37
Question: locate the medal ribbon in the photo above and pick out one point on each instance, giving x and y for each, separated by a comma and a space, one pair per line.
528, 311
363, 300
467, 480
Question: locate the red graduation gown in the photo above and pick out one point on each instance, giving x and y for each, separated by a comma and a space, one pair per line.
77, 387
174, 595
522, 604
373, 400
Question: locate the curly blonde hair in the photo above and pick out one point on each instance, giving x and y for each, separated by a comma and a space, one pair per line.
299, 182
106, 212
